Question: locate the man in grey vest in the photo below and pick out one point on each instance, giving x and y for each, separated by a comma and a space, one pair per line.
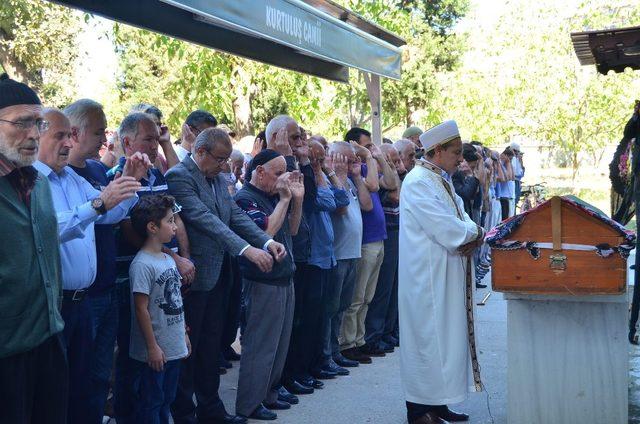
272, 198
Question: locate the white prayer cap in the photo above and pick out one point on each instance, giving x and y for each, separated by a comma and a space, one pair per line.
515, 146
440, 134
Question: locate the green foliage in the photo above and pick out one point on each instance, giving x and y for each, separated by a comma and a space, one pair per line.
518, 76
38, 46
521, 77
430, 49
440, 15
246, 94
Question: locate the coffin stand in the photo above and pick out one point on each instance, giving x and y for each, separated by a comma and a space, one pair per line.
562, 270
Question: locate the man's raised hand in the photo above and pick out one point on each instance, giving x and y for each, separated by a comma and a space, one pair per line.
340, 165
119, 190
281, 143
282, 185
362, 152
137, 166
187, 135
296, 184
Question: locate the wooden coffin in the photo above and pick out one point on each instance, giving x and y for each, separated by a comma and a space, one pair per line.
581, 273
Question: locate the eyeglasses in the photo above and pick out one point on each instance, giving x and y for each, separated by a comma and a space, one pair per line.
221, 161
27, 124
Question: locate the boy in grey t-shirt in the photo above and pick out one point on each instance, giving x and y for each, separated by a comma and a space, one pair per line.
158, 335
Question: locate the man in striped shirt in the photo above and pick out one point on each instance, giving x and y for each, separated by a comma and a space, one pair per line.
139, 133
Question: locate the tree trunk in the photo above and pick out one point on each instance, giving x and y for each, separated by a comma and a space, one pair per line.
241, 86
407, 118
575, 164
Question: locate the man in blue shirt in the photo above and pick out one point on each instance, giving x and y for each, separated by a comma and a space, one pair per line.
139, 135
78, 207
322, 257
88, 125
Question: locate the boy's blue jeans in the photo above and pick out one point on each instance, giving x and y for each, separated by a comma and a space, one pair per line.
156, 392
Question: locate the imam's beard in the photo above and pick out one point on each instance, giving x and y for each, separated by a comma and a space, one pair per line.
14, 155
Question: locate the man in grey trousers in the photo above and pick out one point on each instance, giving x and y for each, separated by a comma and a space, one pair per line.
272, 198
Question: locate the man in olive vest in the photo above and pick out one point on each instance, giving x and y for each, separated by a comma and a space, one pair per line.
33, 365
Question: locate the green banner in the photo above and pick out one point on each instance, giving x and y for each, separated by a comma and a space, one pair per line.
300, 26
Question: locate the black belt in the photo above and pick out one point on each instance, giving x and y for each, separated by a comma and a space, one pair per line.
74, 295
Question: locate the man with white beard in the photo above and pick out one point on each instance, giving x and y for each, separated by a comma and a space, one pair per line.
435, 300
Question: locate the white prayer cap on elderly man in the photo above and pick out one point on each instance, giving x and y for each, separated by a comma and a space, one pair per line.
440, 134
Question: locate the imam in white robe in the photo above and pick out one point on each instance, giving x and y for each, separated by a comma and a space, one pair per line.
435, 360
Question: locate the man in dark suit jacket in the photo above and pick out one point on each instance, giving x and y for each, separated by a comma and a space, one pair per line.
217, 228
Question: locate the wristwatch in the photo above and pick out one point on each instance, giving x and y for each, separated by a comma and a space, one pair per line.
98, 205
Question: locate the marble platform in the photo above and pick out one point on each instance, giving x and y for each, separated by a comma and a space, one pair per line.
567, 359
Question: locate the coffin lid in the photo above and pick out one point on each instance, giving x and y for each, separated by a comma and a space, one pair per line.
507, 227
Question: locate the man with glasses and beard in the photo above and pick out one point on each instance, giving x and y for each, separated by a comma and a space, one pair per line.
33, 364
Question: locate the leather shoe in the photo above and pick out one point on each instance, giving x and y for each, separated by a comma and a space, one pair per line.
385, 347
278, 405
226, 419
312, 382
333, 367
297, 388
285, 396
429, 418
392, 340
355, 355
230, 354
448, 415
262, 413
370, 350
321, 374
344, 362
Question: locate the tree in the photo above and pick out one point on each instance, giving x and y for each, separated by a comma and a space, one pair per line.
431, 48
521, 78
246, 94
38, 46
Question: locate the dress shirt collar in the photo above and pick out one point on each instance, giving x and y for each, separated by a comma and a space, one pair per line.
46, 169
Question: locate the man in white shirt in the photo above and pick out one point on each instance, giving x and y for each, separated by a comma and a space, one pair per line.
196, 122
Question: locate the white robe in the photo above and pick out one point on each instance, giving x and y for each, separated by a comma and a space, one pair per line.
435, 360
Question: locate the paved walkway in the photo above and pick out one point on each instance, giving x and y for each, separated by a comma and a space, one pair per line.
372, 393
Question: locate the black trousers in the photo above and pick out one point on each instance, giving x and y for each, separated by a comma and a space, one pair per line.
35, 384
504, 204
306, 335
234, 308
205, 312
